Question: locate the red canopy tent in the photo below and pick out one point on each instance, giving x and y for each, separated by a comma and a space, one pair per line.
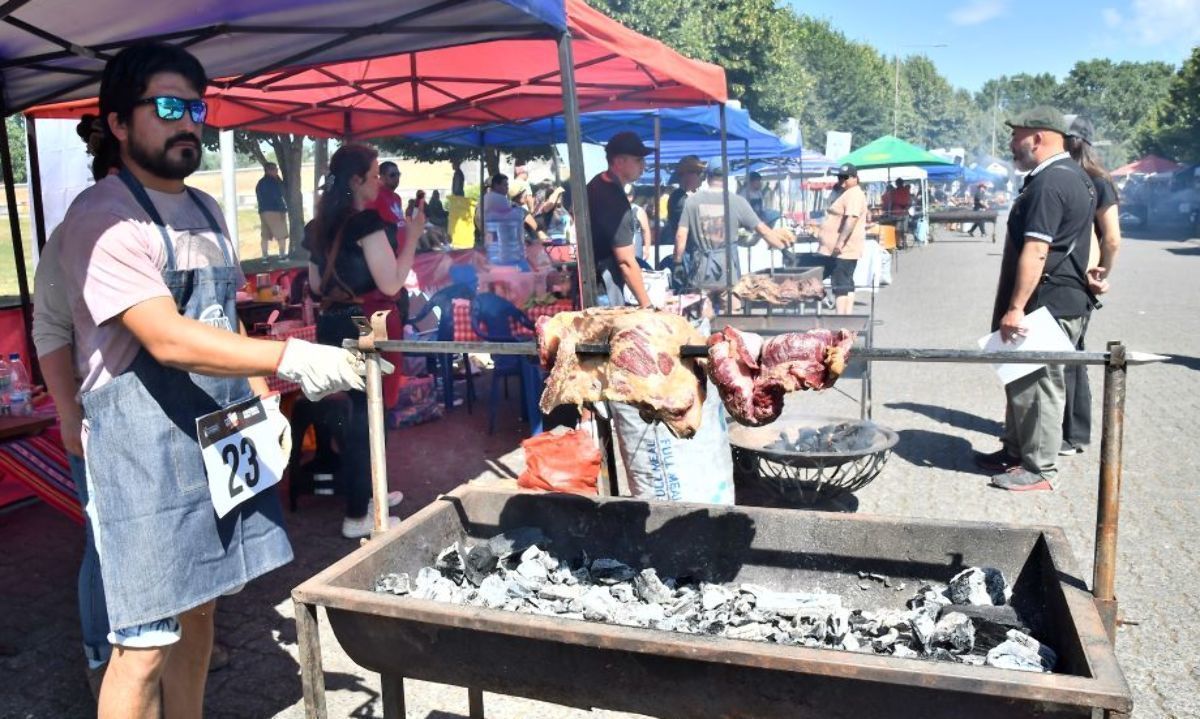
1148, 165
485, 82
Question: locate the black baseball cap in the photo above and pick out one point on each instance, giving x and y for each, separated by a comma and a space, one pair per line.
1082, 128
626, 143
847, 170
1042, 117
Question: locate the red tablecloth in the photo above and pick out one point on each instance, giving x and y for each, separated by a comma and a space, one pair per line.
283, 386
463, 331
40, 463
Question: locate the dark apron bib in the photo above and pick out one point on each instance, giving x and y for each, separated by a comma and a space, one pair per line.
162, 548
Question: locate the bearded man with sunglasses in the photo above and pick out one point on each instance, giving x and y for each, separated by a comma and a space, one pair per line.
181, 456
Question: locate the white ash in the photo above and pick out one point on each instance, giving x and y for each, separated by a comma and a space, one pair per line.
515, 572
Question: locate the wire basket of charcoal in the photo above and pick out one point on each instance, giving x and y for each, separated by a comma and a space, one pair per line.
811, 460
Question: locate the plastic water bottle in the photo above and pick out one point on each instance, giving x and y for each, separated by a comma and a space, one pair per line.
5, 386
504, 240
20, 399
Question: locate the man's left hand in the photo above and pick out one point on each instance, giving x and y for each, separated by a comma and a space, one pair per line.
1097, 278
1010, 325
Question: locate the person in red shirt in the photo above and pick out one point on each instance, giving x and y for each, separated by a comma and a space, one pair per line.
387, 203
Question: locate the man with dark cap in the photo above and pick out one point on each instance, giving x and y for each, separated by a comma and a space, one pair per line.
690, 175
1044, 265
843, 236
614, 225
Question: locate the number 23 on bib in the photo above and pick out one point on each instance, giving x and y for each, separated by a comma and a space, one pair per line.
243, 450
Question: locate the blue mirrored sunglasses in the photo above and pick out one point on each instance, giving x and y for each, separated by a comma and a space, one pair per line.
172, 108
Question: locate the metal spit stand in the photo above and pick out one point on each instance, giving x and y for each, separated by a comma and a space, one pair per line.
1116, 360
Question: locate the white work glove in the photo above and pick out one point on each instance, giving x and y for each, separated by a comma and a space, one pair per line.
321, 370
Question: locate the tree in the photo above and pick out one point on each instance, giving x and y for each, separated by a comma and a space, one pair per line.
15, 126
1173, 128
1117, 98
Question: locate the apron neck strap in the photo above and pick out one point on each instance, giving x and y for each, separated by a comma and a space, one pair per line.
139, 193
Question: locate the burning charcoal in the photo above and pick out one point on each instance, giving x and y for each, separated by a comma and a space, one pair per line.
922, 629
942, 655
792, 604
991, 623
610, 571
900, 650
685, 601
623, 593
597, 604
713, 596
450, 563
492, 592
1021, 651
752, 632
973, 659
838, 624
955, 632
927, 596
864, 586
516, 588
479, 562
532, 569
711, 626
647, 615
851, 644
978, 586
432, 585
515, 541
887, 641
651, 589
394, 584
561, 592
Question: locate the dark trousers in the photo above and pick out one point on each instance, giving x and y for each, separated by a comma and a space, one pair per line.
981, 226
333, 327
1077, 417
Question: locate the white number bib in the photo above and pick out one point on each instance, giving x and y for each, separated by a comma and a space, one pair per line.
242, 451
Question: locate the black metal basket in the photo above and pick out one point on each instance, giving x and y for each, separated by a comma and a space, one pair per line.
807, 478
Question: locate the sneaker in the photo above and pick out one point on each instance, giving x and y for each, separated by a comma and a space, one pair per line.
1019, 479
393, 499
1068, 450
998, 461
359, 528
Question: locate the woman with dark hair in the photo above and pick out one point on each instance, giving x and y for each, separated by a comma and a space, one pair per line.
1106, 241
357, 268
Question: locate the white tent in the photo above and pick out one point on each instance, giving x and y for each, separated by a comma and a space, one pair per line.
890, 174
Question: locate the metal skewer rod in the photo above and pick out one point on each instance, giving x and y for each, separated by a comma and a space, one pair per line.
871, 354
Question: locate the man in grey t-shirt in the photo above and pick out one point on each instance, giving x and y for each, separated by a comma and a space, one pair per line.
700, 239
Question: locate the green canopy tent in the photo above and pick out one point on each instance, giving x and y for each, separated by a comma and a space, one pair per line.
890, 151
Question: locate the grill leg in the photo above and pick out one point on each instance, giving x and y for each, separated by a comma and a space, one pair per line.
393, 696
475, 703
312, 675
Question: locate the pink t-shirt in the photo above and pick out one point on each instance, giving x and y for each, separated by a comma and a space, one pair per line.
113, 258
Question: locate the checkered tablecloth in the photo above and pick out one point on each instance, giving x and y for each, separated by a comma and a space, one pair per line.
463, 332
307, 333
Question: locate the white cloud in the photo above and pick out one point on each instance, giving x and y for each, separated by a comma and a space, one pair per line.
975, 12
1155, 22
1112, 17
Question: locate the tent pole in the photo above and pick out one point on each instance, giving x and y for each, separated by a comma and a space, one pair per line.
14, 224
746, 187
35, 184
579, 204
585, 253
728, 217
657, 188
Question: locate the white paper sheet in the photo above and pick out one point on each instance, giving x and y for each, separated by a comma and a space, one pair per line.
1042, 335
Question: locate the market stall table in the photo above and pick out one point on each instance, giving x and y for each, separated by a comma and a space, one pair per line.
36, 458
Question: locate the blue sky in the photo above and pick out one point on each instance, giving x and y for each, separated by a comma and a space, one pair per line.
988, 38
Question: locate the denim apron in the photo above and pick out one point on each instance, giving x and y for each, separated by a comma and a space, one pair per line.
162, 548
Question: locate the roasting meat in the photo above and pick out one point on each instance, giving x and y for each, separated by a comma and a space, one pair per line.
753, 381
778, 290
643, 367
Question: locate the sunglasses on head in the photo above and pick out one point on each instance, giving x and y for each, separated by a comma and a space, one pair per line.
172, 108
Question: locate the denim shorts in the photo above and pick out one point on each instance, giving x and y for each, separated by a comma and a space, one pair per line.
161, 633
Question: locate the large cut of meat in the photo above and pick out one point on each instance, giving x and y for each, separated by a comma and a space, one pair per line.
780, 290
643, 367
752, 382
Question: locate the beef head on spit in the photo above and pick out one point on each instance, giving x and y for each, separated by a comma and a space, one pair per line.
753, 375
643, 367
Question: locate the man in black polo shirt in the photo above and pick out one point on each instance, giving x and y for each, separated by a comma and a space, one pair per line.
1044, 265
614, 225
